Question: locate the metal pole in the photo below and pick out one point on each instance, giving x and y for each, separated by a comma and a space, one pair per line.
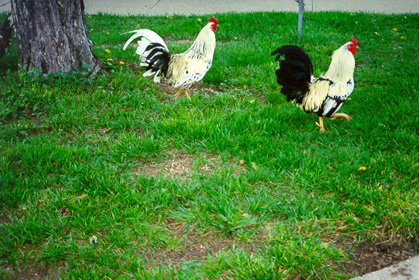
300, 19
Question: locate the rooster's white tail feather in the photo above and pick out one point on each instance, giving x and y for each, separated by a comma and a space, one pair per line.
153, 52
146, 37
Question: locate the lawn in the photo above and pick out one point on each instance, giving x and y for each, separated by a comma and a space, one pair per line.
113, 178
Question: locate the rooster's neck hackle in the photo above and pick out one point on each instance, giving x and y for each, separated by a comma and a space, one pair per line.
342, 66
204, 44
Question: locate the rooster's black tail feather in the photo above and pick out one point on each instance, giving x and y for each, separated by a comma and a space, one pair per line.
156, 57
294, 72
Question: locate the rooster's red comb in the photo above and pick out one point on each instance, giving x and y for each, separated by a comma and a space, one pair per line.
214, 20
355, 42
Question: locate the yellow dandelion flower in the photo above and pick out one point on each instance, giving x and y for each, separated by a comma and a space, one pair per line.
109, 59
108, 50
362, 168
121, 62
394, 29
107, 33
198, 19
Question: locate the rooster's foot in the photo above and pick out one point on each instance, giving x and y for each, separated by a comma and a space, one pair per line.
186, 94
177, 94
341, 116
321, 127
320, 124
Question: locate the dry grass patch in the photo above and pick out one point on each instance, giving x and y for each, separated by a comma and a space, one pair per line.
183, 166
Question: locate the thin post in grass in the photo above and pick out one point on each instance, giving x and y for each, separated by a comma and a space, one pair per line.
300, 19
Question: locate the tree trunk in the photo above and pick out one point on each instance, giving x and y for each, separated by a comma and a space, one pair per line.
51, 36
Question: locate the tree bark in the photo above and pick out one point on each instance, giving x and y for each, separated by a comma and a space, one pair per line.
51, 35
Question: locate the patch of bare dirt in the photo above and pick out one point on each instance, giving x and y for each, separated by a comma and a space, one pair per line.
202, 89
367, 256
195, 89
183, 166
33, 273
196, 245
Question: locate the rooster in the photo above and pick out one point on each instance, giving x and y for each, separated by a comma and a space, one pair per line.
180, 70
325, 95
5, 35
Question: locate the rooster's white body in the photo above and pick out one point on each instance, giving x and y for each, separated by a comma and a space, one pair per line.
179, 70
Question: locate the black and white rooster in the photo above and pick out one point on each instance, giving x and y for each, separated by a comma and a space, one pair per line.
325, 95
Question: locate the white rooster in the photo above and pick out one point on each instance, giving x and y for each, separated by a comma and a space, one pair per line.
179, 70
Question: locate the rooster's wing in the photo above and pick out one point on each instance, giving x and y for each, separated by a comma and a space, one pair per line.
185, 70
326, 97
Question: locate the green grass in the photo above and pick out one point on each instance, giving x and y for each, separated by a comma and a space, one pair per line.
236, 183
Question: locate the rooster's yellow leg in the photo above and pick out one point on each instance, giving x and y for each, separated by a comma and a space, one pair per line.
342, 116
177, 93
320, 124
186, 94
